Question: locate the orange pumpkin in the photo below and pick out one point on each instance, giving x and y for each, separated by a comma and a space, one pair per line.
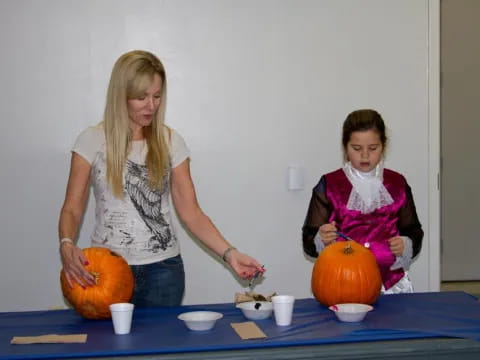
346, 272
114, 283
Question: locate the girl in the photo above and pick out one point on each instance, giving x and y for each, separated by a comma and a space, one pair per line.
370, 204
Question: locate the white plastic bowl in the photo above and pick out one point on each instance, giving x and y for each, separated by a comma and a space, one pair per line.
200, 320
351, 312
256, 310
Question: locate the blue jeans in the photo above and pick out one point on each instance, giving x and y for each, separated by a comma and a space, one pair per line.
159, 284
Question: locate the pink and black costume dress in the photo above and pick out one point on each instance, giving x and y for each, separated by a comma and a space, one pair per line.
370, 208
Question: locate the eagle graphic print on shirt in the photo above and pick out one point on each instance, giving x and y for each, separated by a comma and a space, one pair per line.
148, 204
139, 226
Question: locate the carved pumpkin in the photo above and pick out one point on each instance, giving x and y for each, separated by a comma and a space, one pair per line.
114, 283
346, 272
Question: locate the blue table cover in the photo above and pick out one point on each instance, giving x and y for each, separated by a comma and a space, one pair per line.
158, 331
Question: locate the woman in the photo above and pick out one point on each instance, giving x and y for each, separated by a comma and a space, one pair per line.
134, 162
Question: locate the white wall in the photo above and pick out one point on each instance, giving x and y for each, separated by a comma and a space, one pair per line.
253, 87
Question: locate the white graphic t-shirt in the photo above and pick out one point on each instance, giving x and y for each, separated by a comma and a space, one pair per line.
139, 226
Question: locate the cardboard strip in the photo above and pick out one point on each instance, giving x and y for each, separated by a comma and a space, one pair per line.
248, 330
49, 339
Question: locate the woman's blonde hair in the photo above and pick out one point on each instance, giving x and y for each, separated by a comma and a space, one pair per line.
131, 76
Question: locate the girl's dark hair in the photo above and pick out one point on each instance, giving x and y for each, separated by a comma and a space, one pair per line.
363, 120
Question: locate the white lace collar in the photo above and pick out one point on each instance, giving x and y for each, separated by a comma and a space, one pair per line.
368, 192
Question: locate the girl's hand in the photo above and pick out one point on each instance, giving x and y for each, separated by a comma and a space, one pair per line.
74, 265
328, 233
396, 245
244, 265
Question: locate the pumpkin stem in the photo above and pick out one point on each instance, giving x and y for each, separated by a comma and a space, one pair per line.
96, 275
348, 249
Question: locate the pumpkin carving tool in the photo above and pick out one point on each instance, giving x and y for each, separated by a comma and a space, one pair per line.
343, 236
255, 276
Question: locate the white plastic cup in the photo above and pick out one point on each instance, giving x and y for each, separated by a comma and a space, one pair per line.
122, 317
283, 309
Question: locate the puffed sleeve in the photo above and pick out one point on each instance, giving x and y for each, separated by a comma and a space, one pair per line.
408, 223
318, 213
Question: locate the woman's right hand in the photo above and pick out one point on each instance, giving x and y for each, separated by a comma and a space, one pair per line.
328, 233
74, 265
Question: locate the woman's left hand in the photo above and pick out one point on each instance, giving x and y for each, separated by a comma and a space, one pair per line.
396, 245
244, 265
